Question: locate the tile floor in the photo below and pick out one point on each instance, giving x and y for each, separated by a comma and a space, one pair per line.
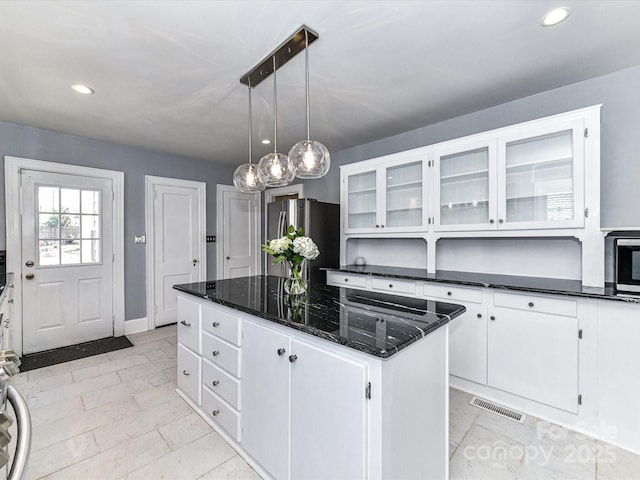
117, 416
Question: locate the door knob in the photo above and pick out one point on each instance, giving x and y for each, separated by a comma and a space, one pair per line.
29, 276
195, 260
228, 258
30, 263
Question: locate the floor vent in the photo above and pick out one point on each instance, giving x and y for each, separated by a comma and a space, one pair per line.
498, 409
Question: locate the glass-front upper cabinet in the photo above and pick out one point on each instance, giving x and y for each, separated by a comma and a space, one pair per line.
464, 187
541, 177
388, 198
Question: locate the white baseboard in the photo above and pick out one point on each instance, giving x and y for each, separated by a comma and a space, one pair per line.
136, 325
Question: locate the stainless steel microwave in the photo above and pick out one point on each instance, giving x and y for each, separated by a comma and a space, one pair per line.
627, 265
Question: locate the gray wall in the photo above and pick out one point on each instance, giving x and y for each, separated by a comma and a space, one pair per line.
34, 143
619, 94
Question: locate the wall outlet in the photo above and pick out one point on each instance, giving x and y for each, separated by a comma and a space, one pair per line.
211, 238
140, 239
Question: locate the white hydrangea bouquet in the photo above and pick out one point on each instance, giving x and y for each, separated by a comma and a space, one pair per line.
294, 248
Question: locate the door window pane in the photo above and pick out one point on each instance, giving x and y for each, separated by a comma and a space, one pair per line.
540, 178
69, 226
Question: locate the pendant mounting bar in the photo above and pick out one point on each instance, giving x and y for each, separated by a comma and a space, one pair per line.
285, 52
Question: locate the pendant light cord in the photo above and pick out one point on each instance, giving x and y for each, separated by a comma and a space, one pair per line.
306, 69
275, 109
250, 123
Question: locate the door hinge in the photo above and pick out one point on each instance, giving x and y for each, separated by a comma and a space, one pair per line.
586, 212
586, 133
580, 334
367, 391
580, 399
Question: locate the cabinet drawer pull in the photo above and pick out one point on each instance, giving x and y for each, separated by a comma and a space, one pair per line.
449, 293
531, 304
479, 315
492, 317
215, 412
391, 285
215, 353
186, 324
346, 279
215, 324
184, 372
281, 351
293, 358
216, 383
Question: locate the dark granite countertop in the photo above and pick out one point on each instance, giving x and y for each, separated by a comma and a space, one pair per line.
555, 286
373, 323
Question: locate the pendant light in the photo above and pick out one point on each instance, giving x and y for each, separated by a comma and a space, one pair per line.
245, 177
274, 169
310, 159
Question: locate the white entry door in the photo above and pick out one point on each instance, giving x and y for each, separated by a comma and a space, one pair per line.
238, 233
67, 252
178, 242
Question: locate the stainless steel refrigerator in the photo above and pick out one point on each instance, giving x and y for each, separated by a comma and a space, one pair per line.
319, 220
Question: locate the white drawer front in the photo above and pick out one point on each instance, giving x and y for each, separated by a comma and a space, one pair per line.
345, 279
218, 322
221, 413
221, 353
450, 292
189, 323
189, 373
556, 306
393, 285
221, 383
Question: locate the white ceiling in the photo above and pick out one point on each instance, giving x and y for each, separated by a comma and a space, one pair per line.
166, 73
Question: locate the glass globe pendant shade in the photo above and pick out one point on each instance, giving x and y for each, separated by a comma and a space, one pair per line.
309, 159
246, 179
275, 170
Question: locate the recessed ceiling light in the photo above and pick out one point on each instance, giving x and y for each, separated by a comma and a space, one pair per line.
83, 89
266, 141
555, 16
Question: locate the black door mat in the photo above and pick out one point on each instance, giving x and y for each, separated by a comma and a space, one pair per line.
32, 361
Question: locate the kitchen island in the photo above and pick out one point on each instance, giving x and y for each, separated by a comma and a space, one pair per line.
338, 383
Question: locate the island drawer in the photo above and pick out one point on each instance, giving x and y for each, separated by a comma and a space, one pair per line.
345, 279
189, 373
221, 353
221, 382
222, 324
556, 306
220, 412
393, 285
189, 323
449, 292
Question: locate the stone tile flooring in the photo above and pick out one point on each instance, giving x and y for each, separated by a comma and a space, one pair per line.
117, 416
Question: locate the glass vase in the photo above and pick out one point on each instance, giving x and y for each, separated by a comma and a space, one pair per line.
295, 284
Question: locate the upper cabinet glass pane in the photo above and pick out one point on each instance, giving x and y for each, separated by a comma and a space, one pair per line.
361, 190
464, 187
539, 178
404, 195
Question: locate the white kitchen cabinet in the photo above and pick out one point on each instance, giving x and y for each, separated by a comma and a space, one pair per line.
529, 178
189, 375
304, 397
388, 197
533, 354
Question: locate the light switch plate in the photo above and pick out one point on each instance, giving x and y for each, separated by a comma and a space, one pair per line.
140, 239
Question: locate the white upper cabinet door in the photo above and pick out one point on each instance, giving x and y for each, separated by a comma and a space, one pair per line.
465, 186
541, 177
390, 196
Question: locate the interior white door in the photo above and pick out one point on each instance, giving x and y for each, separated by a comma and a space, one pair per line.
240, 233
178, 245
67, 253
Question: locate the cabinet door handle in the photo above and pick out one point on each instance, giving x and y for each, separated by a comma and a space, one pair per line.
184, 372
281, 351
531, 304
479, 315
215, 353
492, 317
293, 358
216, 383
381, 226
492, 221
186, 324
500, 220
215, 412
377, 226
215, 324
